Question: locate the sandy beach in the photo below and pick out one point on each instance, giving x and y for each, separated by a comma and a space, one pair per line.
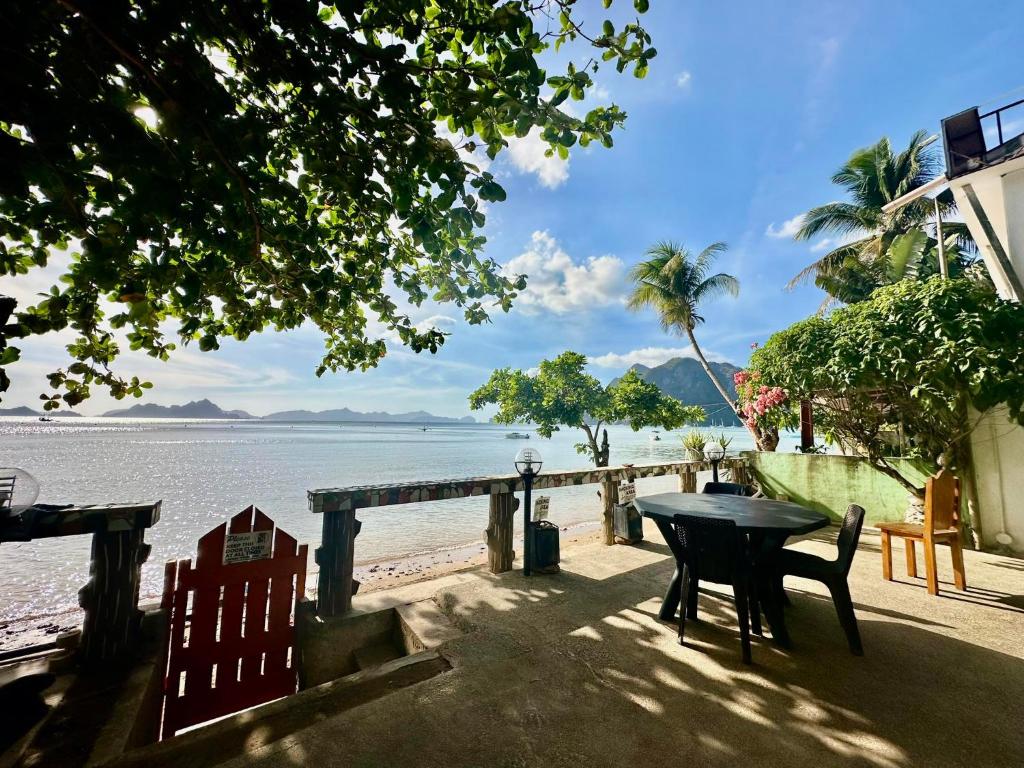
17, 636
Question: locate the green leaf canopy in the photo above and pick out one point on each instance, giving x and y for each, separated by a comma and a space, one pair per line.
246, 165
909, 361
562, 394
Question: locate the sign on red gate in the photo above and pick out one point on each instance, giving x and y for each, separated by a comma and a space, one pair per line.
231, 621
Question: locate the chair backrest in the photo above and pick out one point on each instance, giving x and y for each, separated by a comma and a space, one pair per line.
7, 491
849, 535
942, 501
711, 547
733, 489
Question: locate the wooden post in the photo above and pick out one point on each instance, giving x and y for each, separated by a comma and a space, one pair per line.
739, 472
336, 558
501, 511
807, 424
111, 596
688, 479
610, 497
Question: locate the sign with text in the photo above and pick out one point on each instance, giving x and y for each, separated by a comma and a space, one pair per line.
540, 507
627, 492
246, 547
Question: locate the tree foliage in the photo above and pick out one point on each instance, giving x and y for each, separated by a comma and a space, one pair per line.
563, 394
875, 248
215, 169
899, 370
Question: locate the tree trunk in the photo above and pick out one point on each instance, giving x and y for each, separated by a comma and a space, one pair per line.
598, 453
718, 385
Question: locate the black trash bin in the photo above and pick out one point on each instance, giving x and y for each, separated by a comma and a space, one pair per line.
627, 524
544, 547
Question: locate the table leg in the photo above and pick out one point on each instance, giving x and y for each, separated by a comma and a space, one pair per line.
671, 601
763, 548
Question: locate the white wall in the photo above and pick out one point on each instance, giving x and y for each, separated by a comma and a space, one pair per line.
1000, 191
998, 447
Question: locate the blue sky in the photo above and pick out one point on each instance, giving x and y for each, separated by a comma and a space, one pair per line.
746, 112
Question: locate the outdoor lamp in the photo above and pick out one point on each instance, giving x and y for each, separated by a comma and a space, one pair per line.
18, 491
714, 454
528, 464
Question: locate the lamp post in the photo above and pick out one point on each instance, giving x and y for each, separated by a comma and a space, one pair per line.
528, 464
714, 454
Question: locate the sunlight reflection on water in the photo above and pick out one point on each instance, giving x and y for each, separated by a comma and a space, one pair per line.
207, 471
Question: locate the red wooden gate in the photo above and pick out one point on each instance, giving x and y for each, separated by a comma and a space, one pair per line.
231, 625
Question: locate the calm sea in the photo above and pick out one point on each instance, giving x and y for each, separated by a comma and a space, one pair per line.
206, 471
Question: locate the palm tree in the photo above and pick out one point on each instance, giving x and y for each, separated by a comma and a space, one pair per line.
674, 283
871, 252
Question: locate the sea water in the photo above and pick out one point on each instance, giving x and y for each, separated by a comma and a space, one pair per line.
206, 471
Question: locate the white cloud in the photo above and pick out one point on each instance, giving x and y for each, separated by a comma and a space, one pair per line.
829, 243
649, 356
435, 321
683, 79
788, 228
527, 155
556, 283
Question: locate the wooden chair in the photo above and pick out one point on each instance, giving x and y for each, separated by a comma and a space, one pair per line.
941, 526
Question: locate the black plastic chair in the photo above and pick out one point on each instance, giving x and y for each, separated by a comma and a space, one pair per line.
714, 550
732, 489
832, 573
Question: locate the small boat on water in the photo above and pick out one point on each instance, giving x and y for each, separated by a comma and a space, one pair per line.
45, 418
518, 436
654, 437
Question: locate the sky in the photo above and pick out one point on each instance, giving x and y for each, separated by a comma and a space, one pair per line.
746, 112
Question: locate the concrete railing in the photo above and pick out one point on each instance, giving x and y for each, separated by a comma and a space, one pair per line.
336, 554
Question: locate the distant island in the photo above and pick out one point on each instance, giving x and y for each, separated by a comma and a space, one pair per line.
681, 377
684, 379
197, 409
345, 414
205, 409
23, 410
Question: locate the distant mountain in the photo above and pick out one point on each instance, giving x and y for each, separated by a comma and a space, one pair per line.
346, 414
23, 410
684, 379
197, 409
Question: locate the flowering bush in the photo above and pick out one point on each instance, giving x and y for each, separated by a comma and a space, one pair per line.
763, 409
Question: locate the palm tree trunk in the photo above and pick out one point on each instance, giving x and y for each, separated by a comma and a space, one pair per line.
707, 369
718, 385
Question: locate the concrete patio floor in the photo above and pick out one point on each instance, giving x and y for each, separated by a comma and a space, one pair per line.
575, 669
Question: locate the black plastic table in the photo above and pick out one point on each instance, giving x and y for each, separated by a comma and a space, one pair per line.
767, 522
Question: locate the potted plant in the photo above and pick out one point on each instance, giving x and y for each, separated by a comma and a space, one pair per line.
694, 442
724, 441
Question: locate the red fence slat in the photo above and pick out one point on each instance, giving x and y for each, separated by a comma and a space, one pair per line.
233, 645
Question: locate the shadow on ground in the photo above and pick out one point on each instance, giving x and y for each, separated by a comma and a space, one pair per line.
576, 670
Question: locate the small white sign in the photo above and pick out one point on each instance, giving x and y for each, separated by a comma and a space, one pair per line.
627, 492
246, 547
540, 508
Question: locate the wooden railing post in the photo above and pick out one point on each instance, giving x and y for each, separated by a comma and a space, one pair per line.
336, 558
498, 534
688, 479
739, 472
112, 621
610, 497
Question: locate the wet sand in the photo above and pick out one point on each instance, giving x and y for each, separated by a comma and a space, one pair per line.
372, 576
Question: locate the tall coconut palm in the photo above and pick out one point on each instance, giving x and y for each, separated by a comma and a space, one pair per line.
870, 252
674, 282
